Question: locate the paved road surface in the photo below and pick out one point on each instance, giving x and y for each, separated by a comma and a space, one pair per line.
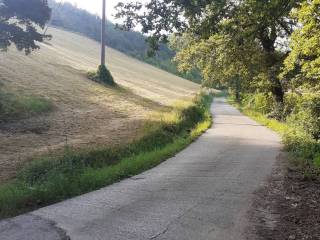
203, 192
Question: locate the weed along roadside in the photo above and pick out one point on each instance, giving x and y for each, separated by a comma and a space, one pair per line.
303, 148
290, 197
47, 180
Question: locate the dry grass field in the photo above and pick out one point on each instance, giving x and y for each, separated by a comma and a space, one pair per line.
85, 114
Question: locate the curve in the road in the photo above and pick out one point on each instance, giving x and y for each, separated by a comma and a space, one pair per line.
204, 192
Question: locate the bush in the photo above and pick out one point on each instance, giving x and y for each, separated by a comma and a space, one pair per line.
103, 75
298, 131
316, 161
305, 113
305, 149
259, 102
291, 101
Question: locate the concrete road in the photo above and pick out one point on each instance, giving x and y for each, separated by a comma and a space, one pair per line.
204, 192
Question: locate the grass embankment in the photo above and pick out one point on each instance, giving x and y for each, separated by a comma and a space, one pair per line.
303, 148
52, 179
13, 106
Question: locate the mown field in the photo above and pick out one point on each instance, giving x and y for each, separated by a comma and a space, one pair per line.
70, 110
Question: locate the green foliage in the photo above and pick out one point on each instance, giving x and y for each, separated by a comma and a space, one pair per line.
103, 75
12, 106
244, 45
317, 161
301, 111
53, 178
296, 135
170, 66
303, 63
306, 114
220, 60
19, 23
224, 35
260, 102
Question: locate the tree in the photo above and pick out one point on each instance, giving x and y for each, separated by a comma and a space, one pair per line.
302, 66
244, 22
221, 62
20, 21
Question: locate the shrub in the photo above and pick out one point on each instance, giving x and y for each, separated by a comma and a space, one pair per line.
259, 102
291, 101
316, 161
305, 114
103, 75
299, 131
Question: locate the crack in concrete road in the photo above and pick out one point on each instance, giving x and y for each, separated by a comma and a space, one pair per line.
173, 221
202, 193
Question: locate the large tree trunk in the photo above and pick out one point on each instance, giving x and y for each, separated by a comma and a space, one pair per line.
273, 72
276, 86
238, 89
272, 61
277, 93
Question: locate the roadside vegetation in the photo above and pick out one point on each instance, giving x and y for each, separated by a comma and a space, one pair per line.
50, 179
267, 53
268, 59
298, 129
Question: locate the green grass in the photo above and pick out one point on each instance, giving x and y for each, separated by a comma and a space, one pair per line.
302, 147
54, 178
14, 106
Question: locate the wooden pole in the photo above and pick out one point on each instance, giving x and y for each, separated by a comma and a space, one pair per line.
103, 34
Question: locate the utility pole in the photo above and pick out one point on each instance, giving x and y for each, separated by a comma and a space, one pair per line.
103, 34
103, 73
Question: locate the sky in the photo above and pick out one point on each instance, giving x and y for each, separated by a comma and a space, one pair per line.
94, 6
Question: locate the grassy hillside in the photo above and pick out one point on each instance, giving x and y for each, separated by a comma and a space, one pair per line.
84, 113
132, 43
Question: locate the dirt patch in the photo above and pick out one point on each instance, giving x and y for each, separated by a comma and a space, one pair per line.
288, 207
22, 140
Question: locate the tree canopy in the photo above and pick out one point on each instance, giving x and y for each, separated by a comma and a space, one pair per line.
303, 62
20, 21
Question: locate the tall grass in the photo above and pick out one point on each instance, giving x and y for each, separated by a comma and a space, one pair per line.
51, 179
13, 106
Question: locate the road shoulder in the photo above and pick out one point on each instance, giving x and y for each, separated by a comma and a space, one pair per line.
287, 207
23, 226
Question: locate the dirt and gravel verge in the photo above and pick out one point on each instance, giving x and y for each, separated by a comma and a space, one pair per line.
288, 206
